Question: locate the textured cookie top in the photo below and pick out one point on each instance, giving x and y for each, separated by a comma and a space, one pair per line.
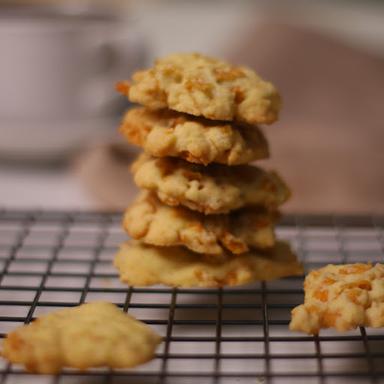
342, 297
90, 335
212, 189
168, 133
143, 265
155, 223
202, 86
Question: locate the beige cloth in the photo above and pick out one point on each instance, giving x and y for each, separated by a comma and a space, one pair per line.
329, 141
103, 169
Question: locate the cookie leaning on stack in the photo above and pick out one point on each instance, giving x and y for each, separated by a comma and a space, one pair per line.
205, 218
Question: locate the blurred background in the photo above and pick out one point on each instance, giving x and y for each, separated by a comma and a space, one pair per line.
59, 112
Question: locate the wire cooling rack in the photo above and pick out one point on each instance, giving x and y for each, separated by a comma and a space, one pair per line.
51, 260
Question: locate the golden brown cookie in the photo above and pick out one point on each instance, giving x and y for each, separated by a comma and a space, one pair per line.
202, 86
158, 224
212, 189
342, 297
167, 133
90, 335
142, 265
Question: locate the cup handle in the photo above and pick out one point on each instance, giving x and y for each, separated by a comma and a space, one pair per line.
118, 55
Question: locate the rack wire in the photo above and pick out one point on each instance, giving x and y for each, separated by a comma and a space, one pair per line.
51, 260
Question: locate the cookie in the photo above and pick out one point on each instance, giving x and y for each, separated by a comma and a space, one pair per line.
212, 189
203, 86
342, 297
158, 224
168, 133
90, 335
142, 265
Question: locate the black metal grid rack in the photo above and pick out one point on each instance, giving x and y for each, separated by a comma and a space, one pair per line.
51, 260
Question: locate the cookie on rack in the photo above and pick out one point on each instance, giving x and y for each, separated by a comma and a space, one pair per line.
167, 133
141, 265
155, 223
212, 189
90, 335
203, 86
343, 297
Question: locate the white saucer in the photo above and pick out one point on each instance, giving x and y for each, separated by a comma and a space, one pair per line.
50, 140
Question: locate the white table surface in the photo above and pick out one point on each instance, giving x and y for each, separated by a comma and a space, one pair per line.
22, 188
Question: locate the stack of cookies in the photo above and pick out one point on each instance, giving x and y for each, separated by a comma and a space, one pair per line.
205, 217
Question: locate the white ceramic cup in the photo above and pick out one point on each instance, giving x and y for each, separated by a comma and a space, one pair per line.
57, 75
